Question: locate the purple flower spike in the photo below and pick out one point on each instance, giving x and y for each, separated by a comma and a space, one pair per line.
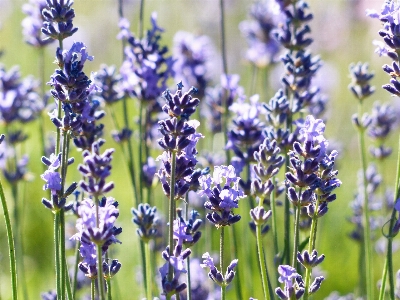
33, 23
313, 129
53, 181
223, 192
180, 232
58, 15
208, 262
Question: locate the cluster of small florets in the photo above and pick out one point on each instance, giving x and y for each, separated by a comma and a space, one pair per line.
58, 17
263, 47
96, 228
146, 67
179, 136
312, 169
223, 193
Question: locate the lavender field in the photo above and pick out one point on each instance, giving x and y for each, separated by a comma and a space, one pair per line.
187, 149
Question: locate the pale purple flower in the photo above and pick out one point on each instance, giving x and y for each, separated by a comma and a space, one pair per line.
208, 261
53, 180
180, 232
312, 129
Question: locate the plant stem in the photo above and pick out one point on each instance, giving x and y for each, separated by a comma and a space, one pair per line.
68, 282
57, 251
99, 254
78, 243
238, 288
109, 295
261, 259
130, 161
141, 12
367, 229
172, 212
221, 260
224, 103
274, 226
389, 258
93, 289
311, 246
11, 247
296, 235
148, 270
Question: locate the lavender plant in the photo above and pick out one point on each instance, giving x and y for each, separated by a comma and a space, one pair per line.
275, 148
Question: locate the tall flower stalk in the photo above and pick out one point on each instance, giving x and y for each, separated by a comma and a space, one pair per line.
362, 89
11, 244
177, 175
389, 16
223, 193
268, 164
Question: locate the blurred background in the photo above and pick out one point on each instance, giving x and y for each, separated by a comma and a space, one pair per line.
342, 34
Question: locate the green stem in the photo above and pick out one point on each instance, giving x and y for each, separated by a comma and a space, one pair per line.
148, 270
121, 15
311, 246
109, 295
141, 13
224, 104
274, 226
68, 282
11, 247
62, 253
99, 254
389, 254
172, 212
261, 259
57, 251
189, 285
77, 256
367, 229
42, 94
384, 277
238, 287
221, 259
142, 144
130, 161
93, 289
296, 235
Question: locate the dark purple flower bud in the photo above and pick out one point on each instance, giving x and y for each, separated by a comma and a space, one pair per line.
316, 284
310, 260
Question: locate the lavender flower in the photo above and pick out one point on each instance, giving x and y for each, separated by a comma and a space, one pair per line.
145, 218
33, 23
58, 16
294, 285
315, 172
193, 60
92, 232
215, 274
178, 266
147, 67
263, 48
110, 84
360, 85
383, 120
223, 193
179, 136
186, 232
19, 99
70, 84
90, 130
247, 133
96, 168
229, 88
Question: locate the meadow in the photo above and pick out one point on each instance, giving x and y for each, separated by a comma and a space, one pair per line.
320, 106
